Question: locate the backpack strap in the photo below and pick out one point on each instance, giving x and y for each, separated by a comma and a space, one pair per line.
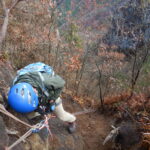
43, 86
36, 67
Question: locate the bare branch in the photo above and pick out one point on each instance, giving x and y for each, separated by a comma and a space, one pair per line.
3, 4
146, 133
6, 19
14, 4
5, 23
136, 69
112, 135
100, 86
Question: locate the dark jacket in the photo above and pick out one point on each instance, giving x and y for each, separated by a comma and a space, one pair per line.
52, 84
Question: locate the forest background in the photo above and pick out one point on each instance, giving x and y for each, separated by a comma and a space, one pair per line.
101, 48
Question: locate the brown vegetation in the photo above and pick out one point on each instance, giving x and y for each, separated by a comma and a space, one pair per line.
96, 74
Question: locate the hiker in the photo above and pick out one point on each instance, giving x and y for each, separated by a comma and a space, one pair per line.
37, 88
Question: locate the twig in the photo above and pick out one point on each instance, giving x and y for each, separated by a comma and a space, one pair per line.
146, 133
84, 112
14, 4
100, 88
6, 18
11, 132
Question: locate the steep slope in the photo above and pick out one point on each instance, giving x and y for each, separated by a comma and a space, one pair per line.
91, 128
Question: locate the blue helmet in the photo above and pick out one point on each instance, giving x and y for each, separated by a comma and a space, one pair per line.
22, 98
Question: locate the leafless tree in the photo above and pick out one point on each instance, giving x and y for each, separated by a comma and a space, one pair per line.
101, 96
137, 67
7, 11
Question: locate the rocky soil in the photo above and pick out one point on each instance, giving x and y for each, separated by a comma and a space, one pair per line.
91, 128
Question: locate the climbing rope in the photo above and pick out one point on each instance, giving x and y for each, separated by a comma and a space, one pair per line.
4, 111
22, 138
33, 129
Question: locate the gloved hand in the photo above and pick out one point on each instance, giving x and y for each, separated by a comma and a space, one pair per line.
51, 105
71, 127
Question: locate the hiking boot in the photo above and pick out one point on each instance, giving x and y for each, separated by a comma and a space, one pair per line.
71, 127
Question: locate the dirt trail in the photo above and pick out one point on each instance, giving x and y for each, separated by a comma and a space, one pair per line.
94, 127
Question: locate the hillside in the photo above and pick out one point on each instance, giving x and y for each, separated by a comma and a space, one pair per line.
61, 138
101, 50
